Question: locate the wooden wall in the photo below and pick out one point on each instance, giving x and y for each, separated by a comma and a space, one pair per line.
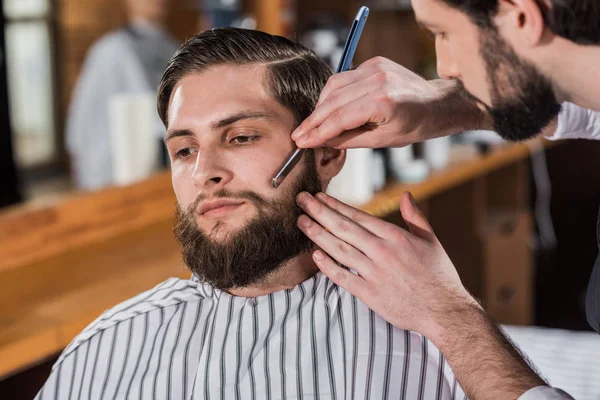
389, 33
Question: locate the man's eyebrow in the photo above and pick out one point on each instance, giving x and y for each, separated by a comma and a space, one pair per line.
223, 123
241, 116
177, 133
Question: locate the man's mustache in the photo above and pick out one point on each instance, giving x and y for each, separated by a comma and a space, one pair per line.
254, 197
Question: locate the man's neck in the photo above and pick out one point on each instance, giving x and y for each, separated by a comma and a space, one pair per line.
575, 74
296, 271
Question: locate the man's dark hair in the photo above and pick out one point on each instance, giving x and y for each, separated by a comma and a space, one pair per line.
575, 20
295, 75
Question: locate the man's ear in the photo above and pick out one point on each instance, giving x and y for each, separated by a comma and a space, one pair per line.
521, 22
329, 163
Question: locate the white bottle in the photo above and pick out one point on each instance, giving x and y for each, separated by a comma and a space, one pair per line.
134, 146
437, 152
378, 168
399, 157
354, 183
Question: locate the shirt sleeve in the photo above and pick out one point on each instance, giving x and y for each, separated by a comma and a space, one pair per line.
545, 393
575, 122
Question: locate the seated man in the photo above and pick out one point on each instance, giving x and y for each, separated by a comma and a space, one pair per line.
257, 320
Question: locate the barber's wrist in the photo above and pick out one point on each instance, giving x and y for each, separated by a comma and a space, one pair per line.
446, 316
483, 359
457, 321
455, 112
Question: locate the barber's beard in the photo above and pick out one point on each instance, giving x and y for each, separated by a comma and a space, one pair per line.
523, 100
265, 244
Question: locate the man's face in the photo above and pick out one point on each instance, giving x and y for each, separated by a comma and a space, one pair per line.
519, 98
226, 138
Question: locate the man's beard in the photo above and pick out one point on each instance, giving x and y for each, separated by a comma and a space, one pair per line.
523, 101
264, 245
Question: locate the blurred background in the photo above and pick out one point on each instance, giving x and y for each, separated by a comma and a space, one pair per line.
86, 203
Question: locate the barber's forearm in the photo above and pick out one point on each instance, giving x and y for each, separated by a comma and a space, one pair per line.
454, 111
484, 361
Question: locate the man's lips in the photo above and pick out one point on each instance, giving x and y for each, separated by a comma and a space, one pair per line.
218, 208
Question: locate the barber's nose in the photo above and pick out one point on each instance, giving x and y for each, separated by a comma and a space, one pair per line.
446, 66
209, 173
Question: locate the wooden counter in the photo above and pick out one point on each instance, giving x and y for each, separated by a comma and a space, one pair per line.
62, 265
460, 170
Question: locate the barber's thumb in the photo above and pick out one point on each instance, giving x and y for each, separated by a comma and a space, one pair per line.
415, 219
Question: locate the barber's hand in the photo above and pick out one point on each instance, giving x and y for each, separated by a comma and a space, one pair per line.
382, 104
405, 277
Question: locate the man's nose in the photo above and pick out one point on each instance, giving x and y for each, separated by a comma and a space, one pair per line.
209, 173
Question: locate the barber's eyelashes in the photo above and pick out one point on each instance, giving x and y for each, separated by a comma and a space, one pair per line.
436, 35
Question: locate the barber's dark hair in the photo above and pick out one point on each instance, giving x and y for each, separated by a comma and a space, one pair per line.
575, 20
295, 75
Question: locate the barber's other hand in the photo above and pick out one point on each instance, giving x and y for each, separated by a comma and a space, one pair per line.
382, 104
405, 277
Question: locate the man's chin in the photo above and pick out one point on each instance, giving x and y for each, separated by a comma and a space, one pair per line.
223, 232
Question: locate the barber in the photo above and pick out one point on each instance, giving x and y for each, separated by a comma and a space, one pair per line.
507, 65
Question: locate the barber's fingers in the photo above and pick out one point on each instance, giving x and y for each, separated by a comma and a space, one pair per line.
415, 219
341, 251
375, 226
344, 227
339, 81
345, 279
350, 139
360, 116
343, 79
360, 138
334, 108
381, 63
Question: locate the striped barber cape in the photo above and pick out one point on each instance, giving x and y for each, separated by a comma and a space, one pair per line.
184, 339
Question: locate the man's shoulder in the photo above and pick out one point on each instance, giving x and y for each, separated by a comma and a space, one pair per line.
170, 293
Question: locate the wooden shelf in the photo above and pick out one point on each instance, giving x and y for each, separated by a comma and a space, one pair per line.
458, 172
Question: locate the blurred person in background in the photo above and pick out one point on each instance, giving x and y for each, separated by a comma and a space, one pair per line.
130, 60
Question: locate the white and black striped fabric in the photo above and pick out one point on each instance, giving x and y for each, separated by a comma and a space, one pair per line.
185, 340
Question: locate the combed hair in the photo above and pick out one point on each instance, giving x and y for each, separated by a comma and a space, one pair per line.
295, 75
575, 20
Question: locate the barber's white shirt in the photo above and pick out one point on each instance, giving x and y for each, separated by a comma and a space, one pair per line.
574, 122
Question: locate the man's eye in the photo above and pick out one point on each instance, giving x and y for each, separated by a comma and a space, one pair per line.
183, 153
242, 139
